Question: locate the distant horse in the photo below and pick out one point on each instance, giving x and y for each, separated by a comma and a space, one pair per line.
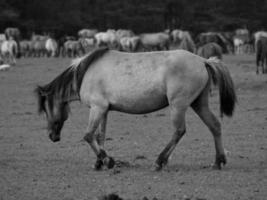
73, 48
129, 44
155, 41
216, 37
9, 50
25, 46
210, 50
138, 83
242, 42
187, 43
87, 43
257, 36
87, 33
107, 38
261, 54
14, 33
51, 47
38, 48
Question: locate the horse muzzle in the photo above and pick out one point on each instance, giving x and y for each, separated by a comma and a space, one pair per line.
54, 137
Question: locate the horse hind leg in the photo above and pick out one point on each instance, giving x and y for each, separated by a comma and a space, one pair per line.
96, 115
178, 119
200, 106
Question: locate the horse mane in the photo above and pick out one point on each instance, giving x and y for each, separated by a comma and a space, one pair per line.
81, 65
68, 83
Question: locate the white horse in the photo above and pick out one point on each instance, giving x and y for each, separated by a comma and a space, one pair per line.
9, 50
129, 44
108, 38
239, 45
155, 41
51, 47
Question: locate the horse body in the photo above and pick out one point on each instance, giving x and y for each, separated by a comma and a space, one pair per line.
261, 54
25, 46
51, 47
155, 41
9, 50
129, 44
210, 50
144, 82
107, 38
139, 86
14, 33
87, 33
73, 48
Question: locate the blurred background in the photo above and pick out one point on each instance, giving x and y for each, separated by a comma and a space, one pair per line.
69, 16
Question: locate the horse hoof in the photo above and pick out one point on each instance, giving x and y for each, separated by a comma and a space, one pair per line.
157, 167
109, 162
219, 161
98, 165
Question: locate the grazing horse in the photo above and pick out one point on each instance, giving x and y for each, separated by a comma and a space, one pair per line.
51, 47
87, 33
261, 54
155, 41
145, 82
209, 50
73, 48
218, 38
9, 50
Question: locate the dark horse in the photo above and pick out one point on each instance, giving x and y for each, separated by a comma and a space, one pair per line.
261, 54
138, 83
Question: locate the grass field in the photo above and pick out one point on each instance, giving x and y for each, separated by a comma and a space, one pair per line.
32, 167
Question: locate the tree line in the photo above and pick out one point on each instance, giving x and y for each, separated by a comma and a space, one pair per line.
68, 16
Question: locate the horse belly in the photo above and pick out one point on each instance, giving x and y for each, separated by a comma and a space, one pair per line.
139, 104
137, 97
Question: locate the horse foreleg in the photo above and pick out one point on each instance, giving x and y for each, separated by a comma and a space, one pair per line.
101, 132
96, 115
178, 119
201, 107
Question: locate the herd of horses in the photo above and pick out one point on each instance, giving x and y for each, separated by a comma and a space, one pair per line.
208, 44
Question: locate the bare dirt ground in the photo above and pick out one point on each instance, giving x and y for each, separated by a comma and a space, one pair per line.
32, 167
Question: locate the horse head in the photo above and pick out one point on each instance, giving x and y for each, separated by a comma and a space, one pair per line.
55, 110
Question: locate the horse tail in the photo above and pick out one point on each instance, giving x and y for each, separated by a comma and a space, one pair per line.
221, 77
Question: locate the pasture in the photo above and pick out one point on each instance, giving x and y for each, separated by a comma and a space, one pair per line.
32, 167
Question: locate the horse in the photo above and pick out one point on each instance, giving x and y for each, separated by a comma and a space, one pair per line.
38, 48
216, 37
25, 46
209, 50
9, 50
14, 33
51, 47
87, 33
257, 35
187, 44
145, 82
73, 48
107, 38
242, 42
261, 54
129, 44
155, 41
